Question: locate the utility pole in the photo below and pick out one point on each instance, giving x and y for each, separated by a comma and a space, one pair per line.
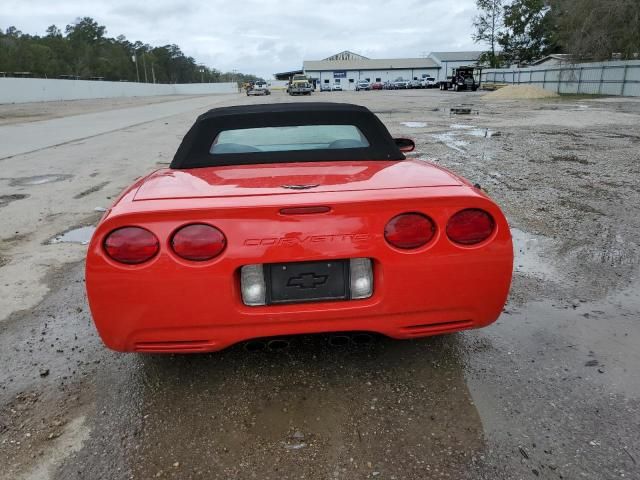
153, 73
135, 60
144, 65
235, 78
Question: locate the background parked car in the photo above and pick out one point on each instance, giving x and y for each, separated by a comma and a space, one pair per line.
377, 86
428, 82
325, 87
400, 83
336, 87
414, 84
363, 85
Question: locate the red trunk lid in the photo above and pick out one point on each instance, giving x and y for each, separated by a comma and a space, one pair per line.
271, 179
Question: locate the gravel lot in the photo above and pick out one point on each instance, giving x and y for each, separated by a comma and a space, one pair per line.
549, 391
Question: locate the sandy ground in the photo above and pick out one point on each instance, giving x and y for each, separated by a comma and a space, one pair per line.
520, 92
549, 391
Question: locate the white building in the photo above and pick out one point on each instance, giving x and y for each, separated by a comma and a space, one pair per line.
347, 68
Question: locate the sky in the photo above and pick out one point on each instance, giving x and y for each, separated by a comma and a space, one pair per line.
265, 36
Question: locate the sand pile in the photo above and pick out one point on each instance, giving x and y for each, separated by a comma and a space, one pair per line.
514, 92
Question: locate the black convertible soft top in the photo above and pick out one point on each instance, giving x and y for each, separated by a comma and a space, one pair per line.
194, 151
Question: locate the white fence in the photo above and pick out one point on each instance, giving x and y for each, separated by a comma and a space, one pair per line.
604, 78
24, 90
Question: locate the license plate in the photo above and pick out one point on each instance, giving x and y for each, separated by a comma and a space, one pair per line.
307, 281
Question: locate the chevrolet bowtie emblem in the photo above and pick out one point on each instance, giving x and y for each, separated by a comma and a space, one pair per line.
307, 280
301, 187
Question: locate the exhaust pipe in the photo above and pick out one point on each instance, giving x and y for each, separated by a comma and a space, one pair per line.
362, 339
278, 345
339, 340
255, 346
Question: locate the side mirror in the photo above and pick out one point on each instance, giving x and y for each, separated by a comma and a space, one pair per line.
405, 144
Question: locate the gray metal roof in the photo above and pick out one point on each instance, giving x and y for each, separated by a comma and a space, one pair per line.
561, 57
346, 55
369, 64
457, 56
286, 75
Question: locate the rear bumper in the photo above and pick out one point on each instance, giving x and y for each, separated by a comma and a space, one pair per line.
164, 309
181, 339
172, 305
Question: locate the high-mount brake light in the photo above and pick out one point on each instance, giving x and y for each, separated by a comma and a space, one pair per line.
409, 230
305, 210
198, 242
131, 245
470, 226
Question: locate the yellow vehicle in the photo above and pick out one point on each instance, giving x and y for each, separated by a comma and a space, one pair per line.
300, 85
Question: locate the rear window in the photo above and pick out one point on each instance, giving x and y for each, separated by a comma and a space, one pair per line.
279, 139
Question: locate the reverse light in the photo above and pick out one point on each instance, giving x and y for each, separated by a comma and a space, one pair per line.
470, 226
198, 242
409, 230
361, 277
131, 245
252, 285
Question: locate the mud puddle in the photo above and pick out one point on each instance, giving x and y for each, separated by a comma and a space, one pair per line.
414, 124
80, 235
452, 140
459, 110
38, 180
597, 340
472, 130
455, 137
528, 255
7, 199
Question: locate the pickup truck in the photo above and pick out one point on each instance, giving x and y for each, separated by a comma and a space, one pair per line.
259, 88
300, 85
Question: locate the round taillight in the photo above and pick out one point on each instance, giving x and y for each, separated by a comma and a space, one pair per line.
131, 245
198, 242
470, 226
409, 230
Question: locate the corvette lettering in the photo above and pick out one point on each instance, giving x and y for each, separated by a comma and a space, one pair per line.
291, 241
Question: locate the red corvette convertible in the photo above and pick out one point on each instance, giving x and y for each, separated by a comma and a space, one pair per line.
294, 218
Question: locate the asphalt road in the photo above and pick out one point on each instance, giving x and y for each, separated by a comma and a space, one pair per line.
549, 391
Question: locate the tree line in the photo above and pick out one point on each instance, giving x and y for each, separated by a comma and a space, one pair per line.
84, 50
521, 31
